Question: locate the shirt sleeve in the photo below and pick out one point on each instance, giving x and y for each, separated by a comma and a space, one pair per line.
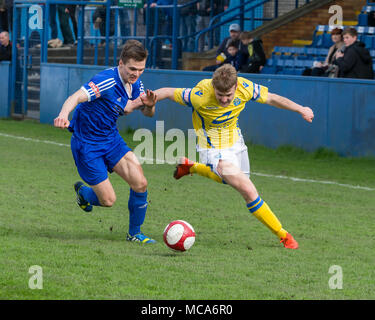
183, 96
260, 93
99, 86
138, 90
255, 92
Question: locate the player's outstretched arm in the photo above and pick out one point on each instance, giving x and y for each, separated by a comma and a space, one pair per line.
62, 120
145, 103
287, 104
165, 93
148, 100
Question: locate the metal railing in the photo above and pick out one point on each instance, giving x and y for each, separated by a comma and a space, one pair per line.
152, 18
231, 15
151, 39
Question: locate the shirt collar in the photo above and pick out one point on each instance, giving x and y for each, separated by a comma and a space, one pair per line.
124, 84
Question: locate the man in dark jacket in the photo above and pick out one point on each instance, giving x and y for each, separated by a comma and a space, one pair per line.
355, 61
234, 38
5, 47
235, 58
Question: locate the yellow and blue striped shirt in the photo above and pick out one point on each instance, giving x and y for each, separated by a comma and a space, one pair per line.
216, 126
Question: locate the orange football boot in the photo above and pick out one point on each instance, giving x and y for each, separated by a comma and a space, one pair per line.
289, 242
183, 168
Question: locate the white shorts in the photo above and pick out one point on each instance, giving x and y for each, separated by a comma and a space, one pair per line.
236, 154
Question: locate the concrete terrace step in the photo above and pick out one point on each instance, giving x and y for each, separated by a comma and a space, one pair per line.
68, 54
33, 114
70, 50
33, 93
33, 104
73, 60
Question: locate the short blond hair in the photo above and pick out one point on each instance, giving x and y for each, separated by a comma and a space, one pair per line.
224, 78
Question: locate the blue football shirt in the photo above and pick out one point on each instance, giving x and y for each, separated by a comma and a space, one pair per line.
94, 121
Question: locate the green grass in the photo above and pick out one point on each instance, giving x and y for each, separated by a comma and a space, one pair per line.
85, 256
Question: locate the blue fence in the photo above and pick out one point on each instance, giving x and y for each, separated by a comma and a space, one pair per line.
344, 109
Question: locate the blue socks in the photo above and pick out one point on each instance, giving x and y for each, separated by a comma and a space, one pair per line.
137, 206
89, 195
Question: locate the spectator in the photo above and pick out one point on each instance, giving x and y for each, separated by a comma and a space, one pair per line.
166, 19
151, 18
371, 19
3, 16
327, 68
164, 27
355, 61
203, 20
124, 20
188, 24
64, 25
253, 51
8, 14
222, 52
139, 15
219, 7
165, 15
5, 47
52, 21
9, 9
235, 58
71, 11
34, 39
99, 19
87, 13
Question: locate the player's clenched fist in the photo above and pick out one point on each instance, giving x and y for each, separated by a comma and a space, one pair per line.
61, 122
307, 114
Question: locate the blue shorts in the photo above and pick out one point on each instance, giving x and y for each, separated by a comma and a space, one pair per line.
95, 161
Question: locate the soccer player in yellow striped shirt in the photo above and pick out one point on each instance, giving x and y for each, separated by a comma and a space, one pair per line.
217, 104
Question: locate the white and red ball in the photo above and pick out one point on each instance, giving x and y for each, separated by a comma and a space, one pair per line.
179, 235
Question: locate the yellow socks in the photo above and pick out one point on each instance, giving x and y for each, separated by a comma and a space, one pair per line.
258, 207
264, 214
205, 171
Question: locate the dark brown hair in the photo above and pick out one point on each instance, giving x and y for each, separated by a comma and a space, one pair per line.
351, 31
133, 49
232, 43
336, 31
246, 35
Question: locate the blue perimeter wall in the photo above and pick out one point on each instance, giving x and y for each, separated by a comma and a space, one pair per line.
4, 92
344, 109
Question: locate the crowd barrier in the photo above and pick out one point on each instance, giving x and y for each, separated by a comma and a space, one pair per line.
344, 108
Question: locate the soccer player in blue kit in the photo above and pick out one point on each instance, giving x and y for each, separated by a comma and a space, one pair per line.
96, 144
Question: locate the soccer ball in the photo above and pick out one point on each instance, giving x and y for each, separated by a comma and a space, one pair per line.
179, 235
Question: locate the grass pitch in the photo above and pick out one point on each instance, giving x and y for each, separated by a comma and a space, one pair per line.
85, 256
